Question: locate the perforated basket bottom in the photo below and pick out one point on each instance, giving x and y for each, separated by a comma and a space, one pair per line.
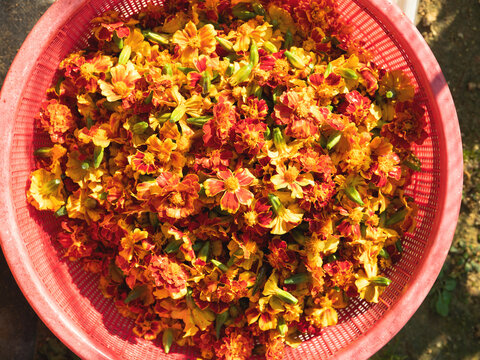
76, 291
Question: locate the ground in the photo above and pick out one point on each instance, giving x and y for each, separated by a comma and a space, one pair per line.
447, 325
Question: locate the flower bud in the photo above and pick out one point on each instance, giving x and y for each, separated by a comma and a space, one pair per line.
286, 296
349, 74
241, 75
226, 44
295, 60
167, 340
354, 195
270, 47
125, 55
155, 37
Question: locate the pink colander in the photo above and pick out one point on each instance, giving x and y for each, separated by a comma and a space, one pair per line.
67, 299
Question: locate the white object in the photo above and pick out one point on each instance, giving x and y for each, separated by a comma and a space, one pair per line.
409, 7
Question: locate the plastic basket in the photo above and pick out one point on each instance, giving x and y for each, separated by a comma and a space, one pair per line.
67, 299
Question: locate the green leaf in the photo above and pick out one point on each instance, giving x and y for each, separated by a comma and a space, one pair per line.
442, 305
450, 284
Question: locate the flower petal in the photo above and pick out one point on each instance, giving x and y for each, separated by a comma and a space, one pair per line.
225, 174
213, 186
244, 177
229, 202
244, 196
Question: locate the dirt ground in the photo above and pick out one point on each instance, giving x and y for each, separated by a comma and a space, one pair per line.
447, 325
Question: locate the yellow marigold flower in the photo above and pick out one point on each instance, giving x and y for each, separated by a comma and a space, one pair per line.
81, 206
286, 218
81, 170
291, 179
175, 23
122, 82
132, 245
396, 85
247, 32
192, 41
46, 190
370, 287
282, 19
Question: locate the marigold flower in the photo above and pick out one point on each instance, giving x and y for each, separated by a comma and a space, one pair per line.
249, 136
280, 257
300, 114
291, 178
46, 190
234, 185
247, 32
258, 217
122, 83
286, 217
170, 275
177, 199
192, 41
396, 85
236, 345
217, 130
56, 119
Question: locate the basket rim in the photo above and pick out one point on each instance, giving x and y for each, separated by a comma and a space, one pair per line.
451, 176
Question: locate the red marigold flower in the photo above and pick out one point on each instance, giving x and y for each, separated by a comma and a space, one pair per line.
237, 344
258, 218
147, 325
144, 162
280, 257
177, 199
213, 161
317, 196
169, 274
311, 161
408, 125
273, 69
340, 273
217, 130
301, 115
74, 238
234, 186
56, 119
109, 23
249, 136
355, 106
254, 108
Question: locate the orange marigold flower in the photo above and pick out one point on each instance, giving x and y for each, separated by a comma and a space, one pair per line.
192, 41
147, 325
340, 273
317, 196
134, 244
301, 115
169, 274
274, 69
237, 344
254, 108
247, 32
177, 199
57, 120
311, 160
122, 83
234, 187
355, 106
109, 23
275, 348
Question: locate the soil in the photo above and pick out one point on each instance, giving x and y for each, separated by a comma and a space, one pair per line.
447, 325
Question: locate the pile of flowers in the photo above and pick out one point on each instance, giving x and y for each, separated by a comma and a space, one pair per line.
233, 170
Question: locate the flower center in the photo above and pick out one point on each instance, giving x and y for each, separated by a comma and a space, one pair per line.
194, 42
291, 174
231, 184
149, 158
177, 199
303, 110
281, 67
250, 218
